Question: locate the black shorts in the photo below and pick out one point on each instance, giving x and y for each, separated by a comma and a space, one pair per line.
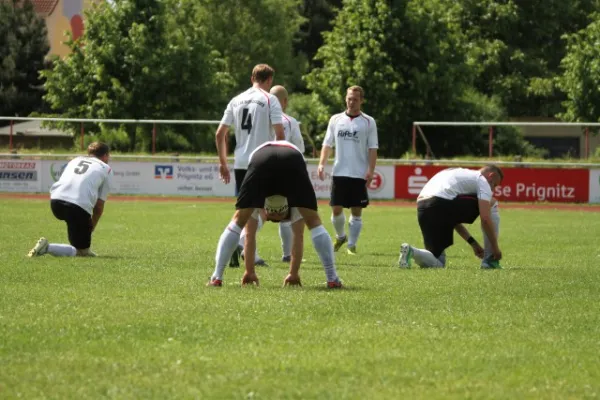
239, 174
349, 192
438, 217
277, 170
79, 222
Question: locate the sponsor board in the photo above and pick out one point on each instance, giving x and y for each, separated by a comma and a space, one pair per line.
519, 184
20, 176
198, 179
594, 186
381, 187
154, 178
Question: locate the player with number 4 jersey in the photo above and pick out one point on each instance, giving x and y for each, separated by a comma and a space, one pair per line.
256, 117
78, 199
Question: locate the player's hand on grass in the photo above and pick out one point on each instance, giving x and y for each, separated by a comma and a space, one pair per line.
224, 174
321, 172
249, 278
292, 280
478, 250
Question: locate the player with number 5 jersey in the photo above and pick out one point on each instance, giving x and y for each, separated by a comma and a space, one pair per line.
78, 199
256, 118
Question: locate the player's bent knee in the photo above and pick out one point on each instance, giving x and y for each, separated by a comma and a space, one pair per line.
311, 217
337, 210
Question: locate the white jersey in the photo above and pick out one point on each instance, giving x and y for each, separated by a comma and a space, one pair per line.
291, 128
252, 115
83, 181
453, 182
352, 138
282, 143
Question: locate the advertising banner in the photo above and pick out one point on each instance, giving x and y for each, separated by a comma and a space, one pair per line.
159, 178
382, 185
519, 184
200, 179
20, 176
595, 186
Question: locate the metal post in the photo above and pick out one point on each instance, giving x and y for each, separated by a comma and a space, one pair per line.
414, 139
81, 132
587, 142
10, 142
491, 142
153, 138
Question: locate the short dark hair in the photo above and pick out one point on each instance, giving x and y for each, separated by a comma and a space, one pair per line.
98, 149
493, 168
262, 72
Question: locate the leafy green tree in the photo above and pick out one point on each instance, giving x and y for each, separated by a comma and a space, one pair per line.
581, 79
516, 48
405, 54
141, 59
23, 48
319, 15
250, 32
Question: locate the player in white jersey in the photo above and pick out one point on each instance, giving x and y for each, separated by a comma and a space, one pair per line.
78, 199
293, 135
276, 174
354, 135
452, 197
256, 118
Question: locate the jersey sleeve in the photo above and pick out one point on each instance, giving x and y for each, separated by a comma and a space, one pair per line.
105, 187
296, 136
372, 139
484, 191
330, 135
228, 115
275, 111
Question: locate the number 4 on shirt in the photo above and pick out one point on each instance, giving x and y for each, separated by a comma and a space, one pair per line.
246, 120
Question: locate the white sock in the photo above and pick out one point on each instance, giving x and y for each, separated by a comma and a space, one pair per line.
354, 226
338, 224
243, 237
324, 247
62, 250
285, 233
227, 242
426, 259
487, 245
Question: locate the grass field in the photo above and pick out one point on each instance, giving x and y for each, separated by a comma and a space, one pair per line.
138, 322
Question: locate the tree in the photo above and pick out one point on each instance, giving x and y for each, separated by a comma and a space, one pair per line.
406, 55
140, 59
319, 15
250, 32
23, 48
581, 79
516, 47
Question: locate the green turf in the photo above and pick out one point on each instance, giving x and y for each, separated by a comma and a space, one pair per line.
138, 321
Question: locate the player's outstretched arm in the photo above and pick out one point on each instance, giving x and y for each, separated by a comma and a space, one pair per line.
293, 277
464, 233
372, 163
279, 132
97, 213
487, 225
323, 162
221, 142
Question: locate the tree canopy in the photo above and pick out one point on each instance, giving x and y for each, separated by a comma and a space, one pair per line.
23, 47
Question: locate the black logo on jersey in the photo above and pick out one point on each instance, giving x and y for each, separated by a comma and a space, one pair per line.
348, 135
